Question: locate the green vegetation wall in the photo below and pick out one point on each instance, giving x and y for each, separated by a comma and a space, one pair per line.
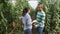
9, 16
52, 10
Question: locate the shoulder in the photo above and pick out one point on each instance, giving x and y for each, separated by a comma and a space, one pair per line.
38, 13
27, 16
43, 12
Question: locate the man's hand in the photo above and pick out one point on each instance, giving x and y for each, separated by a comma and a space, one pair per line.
34, 21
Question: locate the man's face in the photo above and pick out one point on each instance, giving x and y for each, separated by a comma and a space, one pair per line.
40, 8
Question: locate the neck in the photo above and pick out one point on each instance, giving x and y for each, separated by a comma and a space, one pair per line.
27, 13
41, 11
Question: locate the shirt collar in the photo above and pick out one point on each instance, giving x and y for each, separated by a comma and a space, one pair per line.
41, 11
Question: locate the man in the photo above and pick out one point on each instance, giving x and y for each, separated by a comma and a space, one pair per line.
40, 17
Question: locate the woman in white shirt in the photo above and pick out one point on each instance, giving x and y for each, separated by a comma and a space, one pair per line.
27, 21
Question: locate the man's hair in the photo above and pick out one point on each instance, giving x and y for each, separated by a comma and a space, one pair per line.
41, 5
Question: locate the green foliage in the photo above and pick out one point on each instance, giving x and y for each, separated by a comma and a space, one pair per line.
52, 16
9, 16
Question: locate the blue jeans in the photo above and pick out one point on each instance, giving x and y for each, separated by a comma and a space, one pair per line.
40, 30
28, 31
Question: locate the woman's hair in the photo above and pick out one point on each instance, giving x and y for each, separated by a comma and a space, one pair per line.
25, 10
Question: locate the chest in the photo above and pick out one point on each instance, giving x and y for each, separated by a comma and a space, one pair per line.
40, 14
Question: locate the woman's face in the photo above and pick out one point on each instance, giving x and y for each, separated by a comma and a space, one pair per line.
29, 11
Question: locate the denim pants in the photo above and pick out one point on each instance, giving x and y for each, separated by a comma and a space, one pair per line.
40, 30
28, 31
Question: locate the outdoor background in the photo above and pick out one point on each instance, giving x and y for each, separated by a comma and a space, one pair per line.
11, 11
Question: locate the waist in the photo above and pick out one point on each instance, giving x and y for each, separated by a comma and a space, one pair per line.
27, 27
40, 24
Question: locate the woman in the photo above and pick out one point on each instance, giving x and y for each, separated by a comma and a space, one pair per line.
26, 19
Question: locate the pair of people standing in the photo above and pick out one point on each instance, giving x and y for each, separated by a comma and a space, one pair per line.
27, 21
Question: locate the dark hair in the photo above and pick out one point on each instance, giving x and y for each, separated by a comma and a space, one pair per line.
41, 5
25, 10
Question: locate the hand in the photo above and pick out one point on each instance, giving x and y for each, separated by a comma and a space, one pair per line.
34, 21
